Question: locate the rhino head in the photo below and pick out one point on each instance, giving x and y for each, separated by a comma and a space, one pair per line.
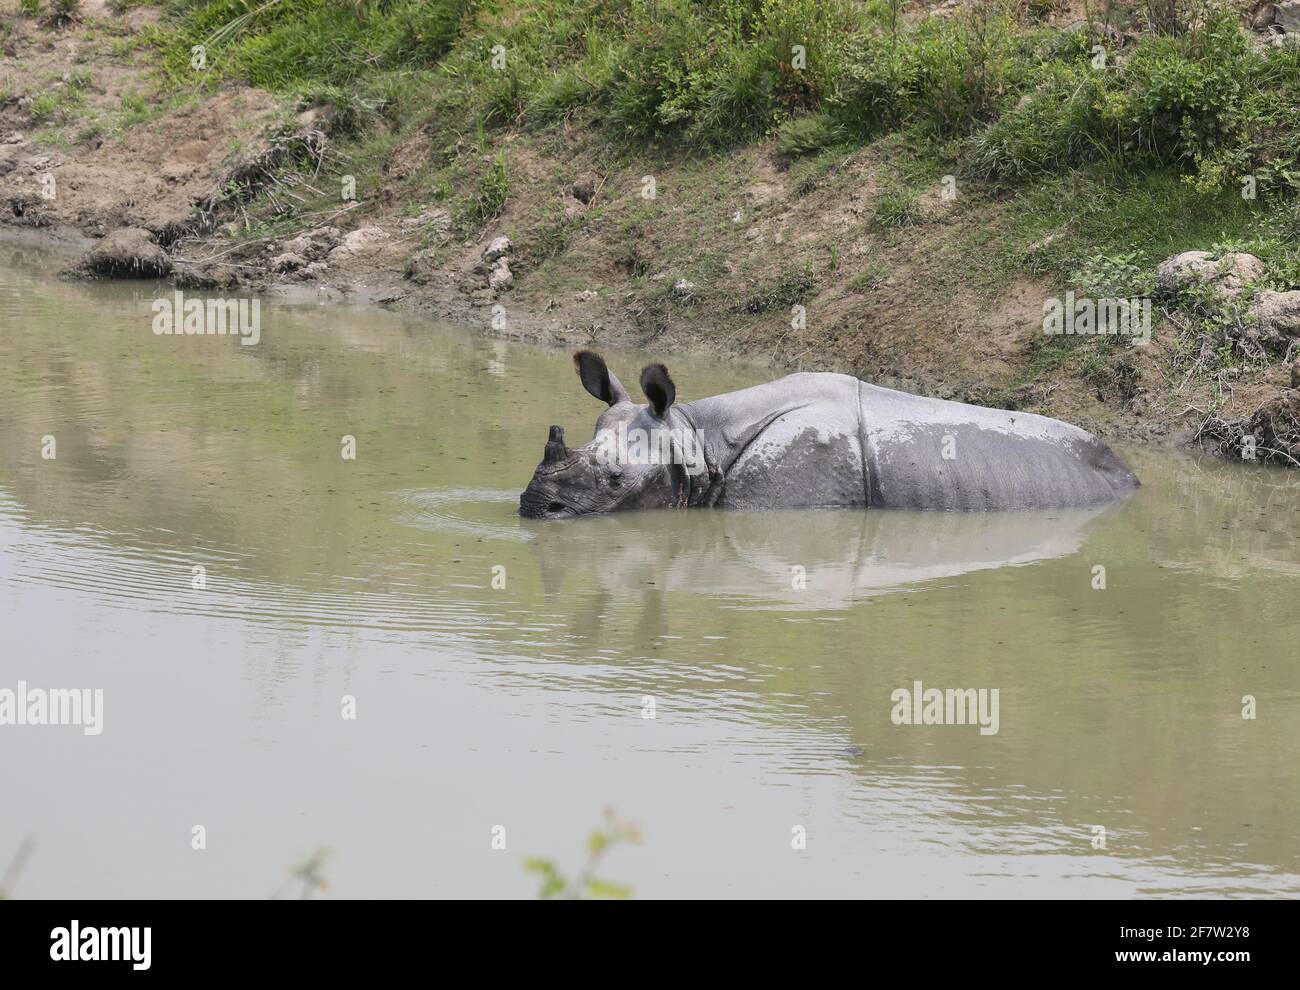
641, 457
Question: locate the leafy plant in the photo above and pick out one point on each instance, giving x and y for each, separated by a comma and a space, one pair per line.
308, 874
585, 884
1122, 275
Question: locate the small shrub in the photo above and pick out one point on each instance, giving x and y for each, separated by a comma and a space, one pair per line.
1192, 99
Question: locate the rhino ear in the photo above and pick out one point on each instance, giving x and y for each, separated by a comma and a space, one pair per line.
658, 388
598, 379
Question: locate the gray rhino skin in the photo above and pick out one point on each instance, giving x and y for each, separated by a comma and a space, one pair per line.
817, 441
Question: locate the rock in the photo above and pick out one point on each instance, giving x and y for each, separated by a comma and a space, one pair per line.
1227, 275
586, 295
1278, 313
500, 247
363, 239
501, 276
358, 242
423, 266
128, 252
683, 289
315, 270
1286, 15
288, 262
188, 276
314, 244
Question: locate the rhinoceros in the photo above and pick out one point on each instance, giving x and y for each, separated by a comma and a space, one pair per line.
814, 440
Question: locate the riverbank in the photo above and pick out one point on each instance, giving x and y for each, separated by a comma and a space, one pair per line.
528, 171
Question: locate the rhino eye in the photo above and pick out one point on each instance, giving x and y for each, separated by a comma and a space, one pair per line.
615, 480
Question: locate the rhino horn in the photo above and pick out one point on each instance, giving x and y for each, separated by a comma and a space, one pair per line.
555, 449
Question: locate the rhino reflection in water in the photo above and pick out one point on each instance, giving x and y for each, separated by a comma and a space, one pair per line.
844, 555
814, 441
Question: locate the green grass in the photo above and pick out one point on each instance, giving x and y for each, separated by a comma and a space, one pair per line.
485, 204
869, 278
1024, 101
554, 234
1017, 101
134, 110
791, 286
54, 102
287, 44
897, 208
1122, 166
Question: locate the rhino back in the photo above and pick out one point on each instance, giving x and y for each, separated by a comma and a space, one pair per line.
935, 454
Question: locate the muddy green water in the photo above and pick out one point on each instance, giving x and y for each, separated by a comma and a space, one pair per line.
522, 707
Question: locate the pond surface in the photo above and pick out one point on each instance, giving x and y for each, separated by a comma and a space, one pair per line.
523, 707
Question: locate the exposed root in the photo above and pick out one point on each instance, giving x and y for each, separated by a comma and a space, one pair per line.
262, 172
1270, 434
